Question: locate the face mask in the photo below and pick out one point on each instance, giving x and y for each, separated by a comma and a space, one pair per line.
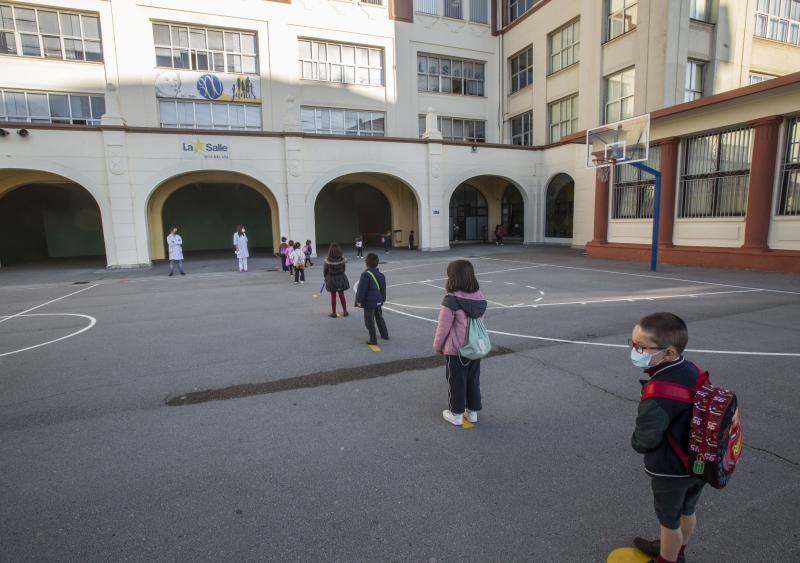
641, 359
242, 231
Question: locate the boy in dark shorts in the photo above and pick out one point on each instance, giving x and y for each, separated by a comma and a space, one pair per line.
370, 295
662, 426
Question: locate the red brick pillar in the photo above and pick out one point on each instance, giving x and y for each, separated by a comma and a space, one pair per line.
601, 195
762, 178
669, 182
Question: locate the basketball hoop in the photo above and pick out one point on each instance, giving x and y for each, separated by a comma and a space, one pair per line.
602, 166
602, 174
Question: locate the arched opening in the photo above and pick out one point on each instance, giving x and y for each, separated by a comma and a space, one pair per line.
469, 214
206, 207
513, 212
49, 217
367, 205
559, 207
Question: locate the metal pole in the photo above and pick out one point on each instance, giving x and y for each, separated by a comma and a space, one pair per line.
656, 212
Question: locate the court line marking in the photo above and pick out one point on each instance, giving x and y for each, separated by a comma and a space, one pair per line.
604, 344
643, 275
434, 286
92, 322
4, 319
477, 274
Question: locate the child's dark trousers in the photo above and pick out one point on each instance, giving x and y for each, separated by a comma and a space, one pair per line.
464, 381
371, 316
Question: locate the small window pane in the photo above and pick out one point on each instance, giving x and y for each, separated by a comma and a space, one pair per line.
98, 104
169, 113
73, 49
202, 116
163, 56
215, 40
38, 105
161, 34
180, 37
80, 107
237, 117
248, 64
16, 108
305, 49
197, 39
59, 105
180, 58
348, 55
232, 43
220, 113
219, 62
252, 115
30, 45
52, 47
8, 43
70, 25
185, 114
349, 74
26, 19
93, 51
375, 57
48, 22
6, 17
234, 63
91, 27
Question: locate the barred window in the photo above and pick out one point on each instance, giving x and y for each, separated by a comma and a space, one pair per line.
50, 34
789, 200
518, 7
694, 80
619, 95
716, 174
199, 48
565, 46
563, 117
186, 114
521, 69
521, 129
458, 129
778, 20
634, 189
622, 15
339, 62
51, 107
336, 121
452, 76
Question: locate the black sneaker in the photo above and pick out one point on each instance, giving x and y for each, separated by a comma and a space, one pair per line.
370, 343
170, 275
332, 315
183, 273
345, 314
653, 549
385, 337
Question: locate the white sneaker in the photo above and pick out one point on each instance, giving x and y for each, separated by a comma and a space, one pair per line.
457, 419
302, 283
472, 416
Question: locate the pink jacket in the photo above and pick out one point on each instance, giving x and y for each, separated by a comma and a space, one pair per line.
451, 331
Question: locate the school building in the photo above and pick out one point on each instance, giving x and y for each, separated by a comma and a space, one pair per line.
324, 119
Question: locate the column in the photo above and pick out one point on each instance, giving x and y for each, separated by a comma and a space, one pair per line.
762, 180
601, 205
669, 182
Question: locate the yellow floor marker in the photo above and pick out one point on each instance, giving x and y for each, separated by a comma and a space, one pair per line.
628, 555
374, 348
466, 424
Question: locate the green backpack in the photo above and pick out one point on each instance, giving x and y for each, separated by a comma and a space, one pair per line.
477, 344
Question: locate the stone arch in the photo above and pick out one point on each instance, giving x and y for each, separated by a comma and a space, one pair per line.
559, 207
492, 186
161, 193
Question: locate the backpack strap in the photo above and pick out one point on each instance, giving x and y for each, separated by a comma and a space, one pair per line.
374, 279
677, 449
665, 390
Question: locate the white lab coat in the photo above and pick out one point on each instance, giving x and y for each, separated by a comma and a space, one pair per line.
175, 243
240, 242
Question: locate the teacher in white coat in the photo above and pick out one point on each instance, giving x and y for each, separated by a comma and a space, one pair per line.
240, 246
175, 244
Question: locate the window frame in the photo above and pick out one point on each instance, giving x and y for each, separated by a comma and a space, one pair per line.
627, 26
344, 130
213, 55
788, 204
462, 79
608, 101
695, 11
465, 122
572, 120
763, 77
768, 21
517, 8
691, 94
343, 67
182, 102
522, 72
92, 121
572, 48
526, 116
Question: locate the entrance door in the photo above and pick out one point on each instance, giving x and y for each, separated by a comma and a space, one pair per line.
469, 214
559, 208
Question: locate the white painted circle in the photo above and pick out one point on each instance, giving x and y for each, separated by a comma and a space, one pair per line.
92, 322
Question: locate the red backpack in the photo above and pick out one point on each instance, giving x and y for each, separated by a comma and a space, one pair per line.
715, 437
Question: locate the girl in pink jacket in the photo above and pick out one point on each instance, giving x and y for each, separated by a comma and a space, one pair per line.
463, 300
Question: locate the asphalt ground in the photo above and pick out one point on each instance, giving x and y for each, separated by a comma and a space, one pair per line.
329, 451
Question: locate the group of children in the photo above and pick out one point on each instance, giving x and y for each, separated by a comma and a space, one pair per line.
294, 258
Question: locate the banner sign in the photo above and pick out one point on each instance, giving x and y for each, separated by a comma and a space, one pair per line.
207, 86
200, 149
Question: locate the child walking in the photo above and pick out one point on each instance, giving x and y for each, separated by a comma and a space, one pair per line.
462, 302
359, 247
336, 281
371, 295
657, 345
307, 250
299, 262
288, 258
282, 253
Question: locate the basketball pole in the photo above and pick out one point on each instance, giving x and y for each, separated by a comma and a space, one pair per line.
656, 211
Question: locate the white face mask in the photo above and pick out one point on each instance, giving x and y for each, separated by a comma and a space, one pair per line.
642, 359
242, 231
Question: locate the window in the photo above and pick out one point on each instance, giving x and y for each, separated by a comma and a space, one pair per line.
452, 76
699, 10
758, 78
427, 6
789, 200
338, 62
716, 173
187, 114
51, 107
619, 95
479, 11
563, 116
198, 48
564, 44
335, 121
632, 195
778, 20
452, 9
694, 80
518, 7
51, 34
521, 127
621, 17
457, 129
521, 69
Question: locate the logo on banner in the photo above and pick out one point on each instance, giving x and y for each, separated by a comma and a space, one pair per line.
210, 86
199, 149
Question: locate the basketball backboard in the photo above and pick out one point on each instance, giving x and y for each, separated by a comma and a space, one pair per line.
621, 142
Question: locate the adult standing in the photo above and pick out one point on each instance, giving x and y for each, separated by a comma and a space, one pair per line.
175, 245
499, 233
240, 246
335, 279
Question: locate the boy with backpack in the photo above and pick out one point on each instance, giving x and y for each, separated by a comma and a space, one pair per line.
371, 295
282, 253
686, 443
307, 250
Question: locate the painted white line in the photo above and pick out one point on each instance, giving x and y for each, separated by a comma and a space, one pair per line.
434, 286
476, 275
539, 299
645, 276
509, 283
417, 266
541, 292
604, 344
497, 303
4, 319
92, 322
530, 287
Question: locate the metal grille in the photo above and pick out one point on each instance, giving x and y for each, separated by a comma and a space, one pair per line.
634, 189
789, 201
452, 9
427, 6
716, 174
375, 2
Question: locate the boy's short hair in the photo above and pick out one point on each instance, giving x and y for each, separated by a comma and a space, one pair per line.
666, 329
283, 239
372, 260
